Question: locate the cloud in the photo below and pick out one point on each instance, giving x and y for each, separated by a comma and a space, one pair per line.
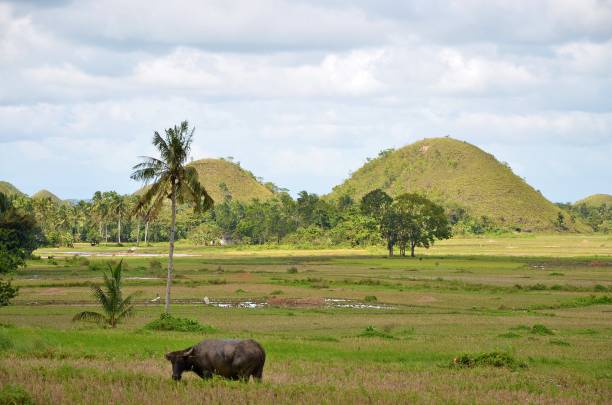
301, 92
215, 24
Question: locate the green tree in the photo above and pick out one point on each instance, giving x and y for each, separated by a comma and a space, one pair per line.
19, 236
377, 204
419, 222
172, 179
7, 293
119, 209
115, 308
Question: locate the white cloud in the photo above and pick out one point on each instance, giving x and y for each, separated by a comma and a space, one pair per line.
301, 92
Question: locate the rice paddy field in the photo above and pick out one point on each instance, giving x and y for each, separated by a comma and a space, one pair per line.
338, 326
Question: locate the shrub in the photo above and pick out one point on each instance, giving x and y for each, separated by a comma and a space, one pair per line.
77, 260
97, 265
167, 322
370, 298
7, 292
491, 359
371, 331
539, 329
510, 335
14, 394
292, 270
155, 265
600, 288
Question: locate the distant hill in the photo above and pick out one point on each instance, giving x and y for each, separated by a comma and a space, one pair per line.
220, 176
8, 189
596, 200
453, 172
46, 194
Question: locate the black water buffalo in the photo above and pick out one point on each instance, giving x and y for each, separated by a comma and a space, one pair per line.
233, 359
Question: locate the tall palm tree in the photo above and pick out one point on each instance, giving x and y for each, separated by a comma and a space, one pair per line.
171, 178
118, 207
114, 307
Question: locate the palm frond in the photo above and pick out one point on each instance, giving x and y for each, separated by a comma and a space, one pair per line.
89, 316
101, 297
192, 190
158, 188
161, 144
149, 169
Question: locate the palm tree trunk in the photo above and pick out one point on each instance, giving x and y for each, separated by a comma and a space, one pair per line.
171, 252
138, 233
119, 231
146, 232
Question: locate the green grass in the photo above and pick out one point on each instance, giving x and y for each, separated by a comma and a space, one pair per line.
327, 339
457, 173
596, 200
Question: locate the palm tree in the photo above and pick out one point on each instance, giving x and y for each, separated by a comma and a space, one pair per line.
114, 307
172, 179
118, 207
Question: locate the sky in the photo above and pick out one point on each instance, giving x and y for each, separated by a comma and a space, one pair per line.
302, 92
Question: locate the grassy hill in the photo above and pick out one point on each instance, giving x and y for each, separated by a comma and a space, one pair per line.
46, 194
220, 176
596, 200
8, 189
453, 172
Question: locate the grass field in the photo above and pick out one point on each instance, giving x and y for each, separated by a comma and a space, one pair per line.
339, 326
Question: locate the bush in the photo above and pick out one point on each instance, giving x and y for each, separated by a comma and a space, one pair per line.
13, 394
77, 260
155, 265
491, 359
167, 322
7, 293
370, 298
97, 265
371, 331
292, 270
541, 330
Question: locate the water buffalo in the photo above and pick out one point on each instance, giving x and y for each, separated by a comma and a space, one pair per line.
233, 359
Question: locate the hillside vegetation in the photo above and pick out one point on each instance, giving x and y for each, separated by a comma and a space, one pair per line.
596, 200
8, 189
46, 194
458, 174
241, 184
221, 177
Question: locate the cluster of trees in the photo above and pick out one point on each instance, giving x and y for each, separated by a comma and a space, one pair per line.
19, 236
107, 216
409, 221
598, 217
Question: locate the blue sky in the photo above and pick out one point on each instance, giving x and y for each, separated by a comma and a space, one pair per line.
302, 92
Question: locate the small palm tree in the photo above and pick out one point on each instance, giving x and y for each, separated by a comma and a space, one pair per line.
114, 307
172, 179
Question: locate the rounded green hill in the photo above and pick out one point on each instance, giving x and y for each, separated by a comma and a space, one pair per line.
596, 200
9, 190
221, 177
39, 195
456, 173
